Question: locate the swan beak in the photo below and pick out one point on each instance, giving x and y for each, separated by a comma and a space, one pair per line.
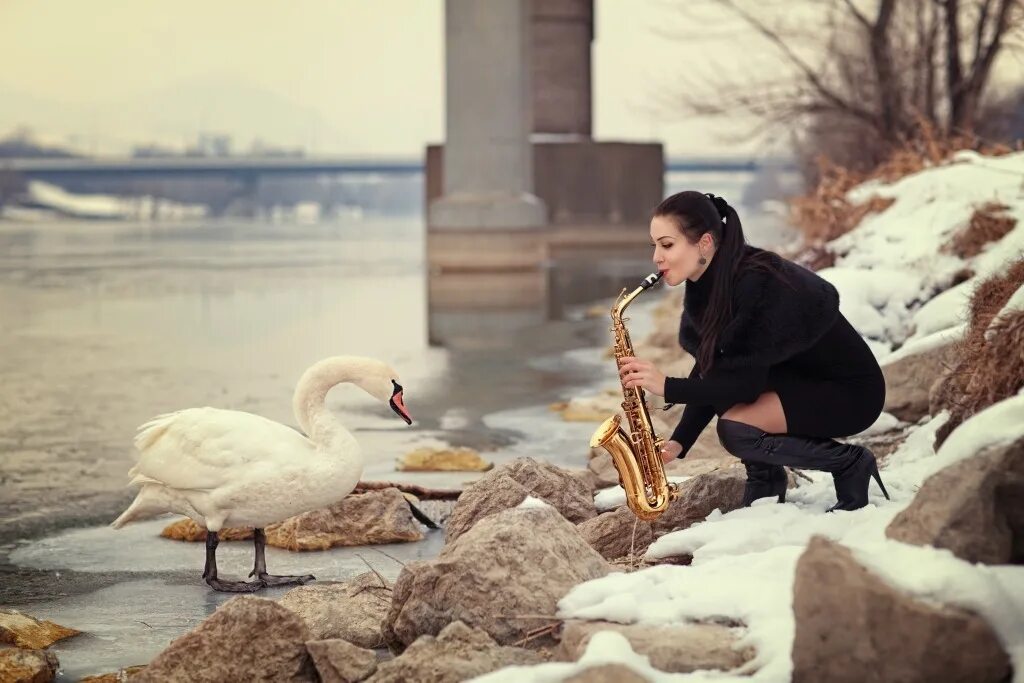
398, 405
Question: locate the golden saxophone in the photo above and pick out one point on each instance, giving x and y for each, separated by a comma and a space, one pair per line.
637, 455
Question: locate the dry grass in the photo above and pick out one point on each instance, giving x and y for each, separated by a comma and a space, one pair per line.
990, 367
824, 214
988, 224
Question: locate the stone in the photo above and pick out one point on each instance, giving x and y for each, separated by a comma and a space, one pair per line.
188, 530
720, 489
909, 379
360, 519
607, 673
458, 653
614, 534
339, 661
352, 610
24, 631
443, 460
973, 508
245, 639
499, 576
851, 626
18, 665
507, 486
119, 676
671, 648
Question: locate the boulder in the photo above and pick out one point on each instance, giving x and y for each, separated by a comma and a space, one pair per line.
339, 661
245, 639
973, 508
671, 648
458, 653
27, 666
720, 489
909, 379
24, 631
352, 610
852, 626
359, 519
615, 533
499, 576
507, 486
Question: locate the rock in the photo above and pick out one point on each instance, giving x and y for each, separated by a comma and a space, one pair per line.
595, 408
443, 460
721, 488
507, 486
359, 519
458, 653
352, 610
607, 673
188, 530
909, 379
27, 666
24, 631
604, 471
517, 562
675, 649
119, 676
614, 534
852, 626
973, 508
246, 639
585, 477
339, 661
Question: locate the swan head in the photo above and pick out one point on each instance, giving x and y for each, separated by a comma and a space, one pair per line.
374, 377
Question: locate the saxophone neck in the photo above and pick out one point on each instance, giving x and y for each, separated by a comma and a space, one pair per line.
625, 300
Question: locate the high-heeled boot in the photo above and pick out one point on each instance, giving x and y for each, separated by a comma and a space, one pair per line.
851, 467
764, 481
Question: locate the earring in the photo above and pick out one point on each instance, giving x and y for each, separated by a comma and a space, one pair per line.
702, 260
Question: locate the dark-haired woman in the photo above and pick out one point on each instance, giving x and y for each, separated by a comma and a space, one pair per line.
778, 363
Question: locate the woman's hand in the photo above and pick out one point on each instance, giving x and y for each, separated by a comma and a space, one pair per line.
639, 373
670, 451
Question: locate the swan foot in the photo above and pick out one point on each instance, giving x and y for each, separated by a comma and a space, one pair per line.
235, 586
272, 580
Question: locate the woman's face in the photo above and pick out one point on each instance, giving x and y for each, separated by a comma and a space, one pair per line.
675, 257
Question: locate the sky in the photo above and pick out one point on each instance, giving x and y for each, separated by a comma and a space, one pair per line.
343, 77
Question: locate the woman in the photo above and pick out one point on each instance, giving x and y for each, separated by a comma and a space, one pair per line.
778, 363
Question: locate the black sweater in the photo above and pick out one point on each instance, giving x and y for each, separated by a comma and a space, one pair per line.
785, 321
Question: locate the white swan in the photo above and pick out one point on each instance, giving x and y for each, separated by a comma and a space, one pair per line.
227, 468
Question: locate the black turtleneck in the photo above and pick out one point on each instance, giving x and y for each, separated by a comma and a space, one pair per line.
720, 390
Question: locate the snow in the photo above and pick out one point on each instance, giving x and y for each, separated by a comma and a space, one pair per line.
892, 271
894, 281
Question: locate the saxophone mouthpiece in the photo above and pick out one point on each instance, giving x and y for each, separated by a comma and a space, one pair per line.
650, 280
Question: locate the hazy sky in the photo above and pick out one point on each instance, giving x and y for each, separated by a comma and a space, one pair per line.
342, 76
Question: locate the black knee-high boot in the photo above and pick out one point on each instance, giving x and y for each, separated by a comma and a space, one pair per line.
764, 481
851, 466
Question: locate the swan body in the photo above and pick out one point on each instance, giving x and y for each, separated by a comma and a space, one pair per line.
231, 468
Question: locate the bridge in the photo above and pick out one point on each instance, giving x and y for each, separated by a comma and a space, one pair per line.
59, 170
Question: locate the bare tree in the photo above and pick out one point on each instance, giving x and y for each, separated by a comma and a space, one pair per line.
873, 72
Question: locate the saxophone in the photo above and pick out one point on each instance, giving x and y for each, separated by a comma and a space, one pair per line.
636, 455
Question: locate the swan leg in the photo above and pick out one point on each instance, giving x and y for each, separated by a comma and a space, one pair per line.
259, 569
210, 571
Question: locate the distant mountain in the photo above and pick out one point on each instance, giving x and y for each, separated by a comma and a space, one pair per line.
175, 116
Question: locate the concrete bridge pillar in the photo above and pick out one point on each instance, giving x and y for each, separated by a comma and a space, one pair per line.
488, 161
